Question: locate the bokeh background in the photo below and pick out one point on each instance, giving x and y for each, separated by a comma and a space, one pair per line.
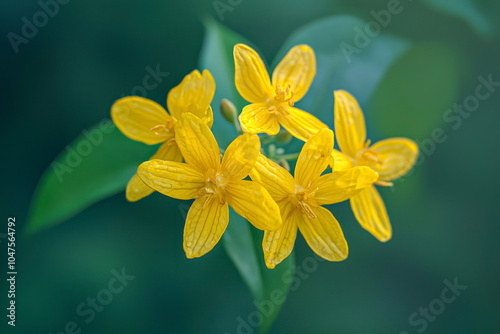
445, 215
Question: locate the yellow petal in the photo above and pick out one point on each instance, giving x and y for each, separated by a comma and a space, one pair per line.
278, 244
297, 69
173, 179
369, 209
252, 201
398, 156
136, 189
208, 117
205, 223
341, 185
277, 180
349, 120
299, 123
240, 156
251, 77
256, 118
136, 117
314, 158
194, 94
323, 234
197, 143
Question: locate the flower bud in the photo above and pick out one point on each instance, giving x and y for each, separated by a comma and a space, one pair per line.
283, 163
283, 137
228, 111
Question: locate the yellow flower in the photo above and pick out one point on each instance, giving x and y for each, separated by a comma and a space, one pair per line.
300, 200
391, 158
214, 184
272, 104
146, 121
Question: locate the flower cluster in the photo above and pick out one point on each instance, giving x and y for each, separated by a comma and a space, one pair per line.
188, 164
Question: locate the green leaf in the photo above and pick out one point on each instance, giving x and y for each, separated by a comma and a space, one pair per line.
467, 10
217, 57
416, 91
97, 165
358, 72
241, 241
243, 244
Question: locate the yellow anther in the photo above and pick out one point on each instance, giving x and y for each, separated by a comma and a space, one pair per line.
159, 129
384, 183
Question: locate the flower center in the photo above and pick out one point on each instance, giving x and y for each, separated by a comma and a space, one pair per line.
282, 98
215, 185
284, 95
303, 199
167, 128
370, 158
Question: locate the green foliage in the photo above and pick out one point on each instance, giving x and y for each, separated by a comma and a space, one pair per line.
416, 91
468, 10
217, 57
243, 245
97, 165
242, 242
358, 73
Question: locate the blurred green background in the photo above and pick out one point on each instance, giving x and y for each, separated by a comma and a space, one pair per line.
445, 215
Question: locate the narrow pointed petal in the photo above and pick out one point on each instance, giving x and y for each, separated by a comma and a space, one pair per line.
370, 211
350, 127
194, 94
341, 185
341, 161
314, 158
136, 117
256, 118
277, 180
240, 156
252, 201
278, 244
298, 69
197, 143
398, 155
205, 223
251, 77
173, 179
323, 234
299, 123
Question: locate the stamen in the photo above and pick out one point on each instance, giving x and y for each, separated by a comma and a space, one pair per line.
384, 183
307, 210
159, 128
285, 95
